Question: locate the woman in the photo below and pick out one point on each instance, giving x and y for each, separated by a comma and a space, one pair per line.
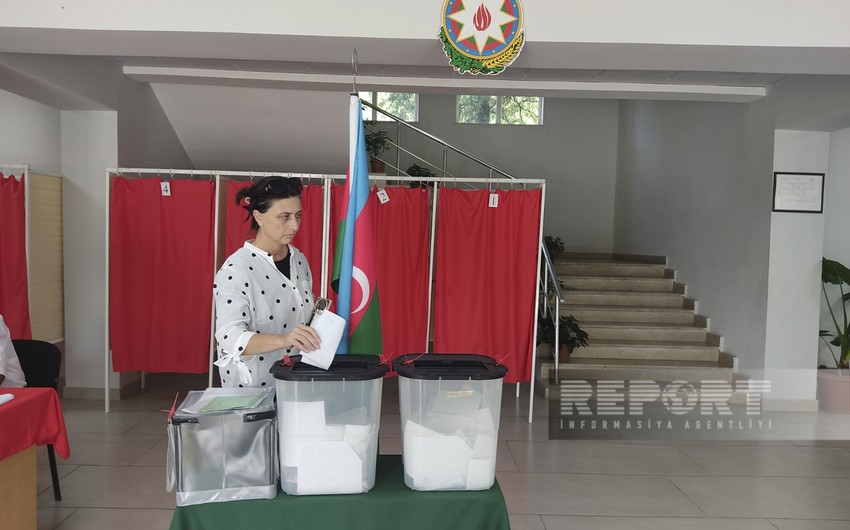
263, 292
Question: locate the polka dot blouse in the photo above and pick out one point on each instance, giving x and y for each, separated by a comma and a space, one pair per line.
252, 296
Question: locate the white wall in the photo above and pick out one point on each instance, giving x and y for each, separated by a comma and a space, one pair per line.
145, 136
793, 298
307, 131
29, 134
89, 146
575, 150
836, 245
694, 184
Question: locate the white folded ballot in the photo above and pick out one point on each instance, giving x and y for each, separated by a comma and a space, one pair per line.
330, 327
320, 455
464, 459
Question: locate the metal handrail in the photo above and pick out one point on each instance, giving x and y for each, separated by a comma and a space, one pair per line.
457, 150
550, 268
555, 315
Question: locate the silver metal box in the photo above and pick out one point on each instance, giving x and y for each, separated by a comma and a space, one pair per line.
224, 455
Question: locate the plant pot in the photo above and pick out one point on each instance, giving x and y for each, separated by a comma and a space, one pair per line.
564, 353
834, 390
377, 165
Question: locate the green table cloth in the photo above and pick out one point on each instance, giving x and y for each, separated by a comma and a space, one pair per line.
389, 505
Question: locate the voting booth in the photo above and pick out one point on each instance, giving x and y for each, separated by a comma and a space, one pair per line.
222, 446
450, 406
328, 423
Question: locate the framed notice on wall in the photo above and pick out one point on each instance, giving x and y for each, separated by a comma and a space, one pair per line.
798, 192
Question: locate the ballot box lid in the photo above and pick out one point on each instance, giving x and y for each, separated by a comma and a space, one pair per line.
452, 366
348, 367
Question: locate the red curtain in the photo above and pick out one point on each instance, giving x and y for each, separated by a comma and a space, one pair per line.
237, 225
14, 300
308, 239
402, 236
485, 276
161, 275
337, 191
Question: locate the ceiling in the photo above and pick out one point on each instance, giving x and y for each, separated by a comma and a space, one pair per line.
234, 86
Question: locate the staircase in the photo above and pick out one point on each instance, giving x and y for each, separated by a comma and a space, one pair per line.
640, 325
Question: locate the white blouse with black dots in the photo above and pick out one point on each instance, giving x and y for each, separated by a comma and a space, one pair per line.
252, 296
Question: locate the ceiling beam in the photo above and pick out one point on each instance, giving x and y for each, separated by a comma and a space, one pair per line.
469, 85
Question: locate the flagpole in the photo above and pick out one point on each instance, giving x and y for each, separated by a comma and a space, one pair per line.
326, 215
431, 265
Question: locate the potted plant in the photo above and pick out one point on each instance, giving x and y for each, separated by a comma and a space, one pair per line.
376, 144
570, 335
834, 385
554, 245
418, 171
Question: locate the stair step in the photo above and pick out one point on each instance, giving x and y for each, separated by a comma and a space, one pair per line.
617, 283
638, 327
648, 350
643, 332
619, 369
624, 298
609, 268
587, 314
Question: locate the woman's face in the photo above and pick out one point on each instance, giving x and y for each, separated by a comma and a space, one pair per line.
281, 221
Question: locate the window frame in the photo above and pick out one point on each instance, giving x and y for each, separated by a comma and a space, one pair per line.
376, 116
498, 121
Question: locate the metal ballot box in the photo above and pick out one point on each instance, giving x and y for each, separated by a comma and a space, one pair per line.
222, 446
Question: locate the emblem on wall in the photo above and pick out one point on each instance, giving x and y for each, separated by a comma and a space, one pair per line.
482, 36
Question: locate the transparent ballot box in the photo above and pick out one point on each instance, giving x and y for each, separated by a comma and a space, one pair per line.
328, 425
450, 406
222, 446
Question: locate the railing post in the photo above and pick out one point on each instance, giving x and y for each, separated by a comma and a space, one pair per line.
555, 347
398, 149
445, 160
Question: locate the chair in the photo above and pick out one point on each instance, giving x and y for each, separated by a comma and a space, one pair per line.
40, 362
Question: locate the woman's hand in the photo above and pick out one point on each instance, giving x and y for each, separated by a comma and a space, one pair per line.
303, 337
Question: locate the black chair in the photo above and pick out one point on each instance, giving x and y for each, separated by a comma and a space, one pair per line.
40, 362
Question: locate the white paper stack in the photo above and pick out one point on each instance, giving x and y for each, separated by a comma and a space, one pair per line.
465, 459
322, 456
454, 446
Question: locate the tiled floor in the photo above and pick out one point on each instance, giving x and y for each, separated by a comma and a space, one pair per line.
794, 476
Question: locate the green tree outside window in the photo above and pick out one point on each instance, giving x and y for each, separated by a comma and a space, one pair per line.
508, 110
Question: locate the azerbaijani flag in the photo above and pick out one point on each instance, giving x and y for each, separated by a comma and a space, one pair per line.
355, 272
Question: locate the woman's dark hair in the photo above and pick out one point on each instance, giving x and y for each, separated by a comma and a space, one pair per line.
263, 193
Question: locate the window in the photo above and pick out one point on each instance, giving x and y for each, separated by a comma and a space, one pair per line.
405, 105
507, 110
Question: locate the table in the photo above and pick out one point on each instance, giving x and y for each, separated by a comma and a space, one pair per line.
389, 505
33, 417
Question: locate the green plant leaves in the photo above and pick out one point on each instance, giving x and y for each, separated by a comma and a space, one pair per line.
835, 273
461, 62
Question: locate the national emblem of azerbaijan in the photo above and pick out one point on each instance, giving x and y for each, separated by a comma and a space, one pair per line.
482, 36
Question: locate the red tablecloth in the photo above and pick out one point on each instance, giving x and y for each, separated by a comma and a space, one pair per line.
34, 417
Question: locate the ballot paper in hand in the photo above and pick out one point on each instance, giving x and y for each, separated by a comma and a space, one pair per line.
330, 327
